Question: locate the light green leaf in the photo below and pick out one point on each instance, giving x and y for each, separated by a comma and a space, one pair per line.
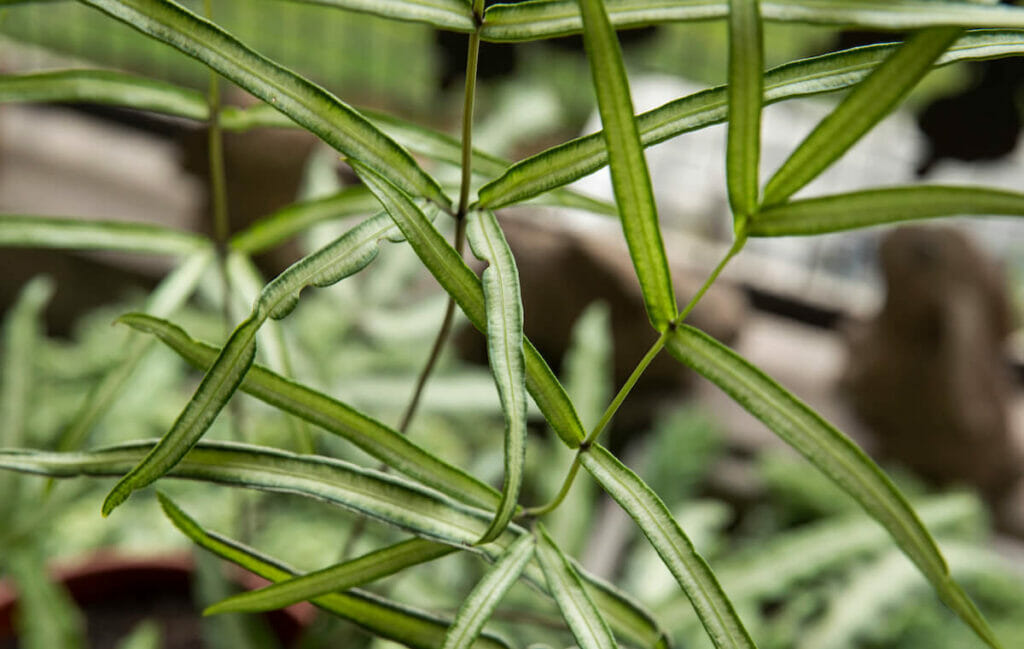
630, 181
572, 160
411, 627
832, 453
22, 329
479, 604
694, 575
464, 286
455, 15
307, 104
104, 87
880, 206
285, 223
358, 571
385, 497
504, 352
173, 291
46, 232
552, 18
47, 616
346, 255
746, 67
584, 619
870, 101
373, 437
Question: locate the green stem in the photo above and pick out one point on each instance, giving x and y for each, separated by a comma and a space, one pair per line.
574, 468
737, 245
467, 123
626, 388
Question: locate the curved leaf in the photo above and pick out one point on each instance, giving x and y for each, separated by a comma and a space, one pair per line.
576, 158
631, 182
358, 571
411, 627
584, 619
716, 612
504, 352
464, 286
72, 234
479, 604
346, 255
832, 453
870, 101
746, 67
880, 206
371, 436
455, 15
553, 18
307, 104
105, 87
390, 499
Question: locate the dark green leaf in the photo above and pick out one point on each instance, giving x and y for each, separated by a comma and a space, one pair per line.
630, 180
746, 67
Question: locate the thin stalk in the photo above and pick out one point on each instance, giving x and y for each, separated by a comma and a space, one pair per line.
467, 123
737, 245
533, 512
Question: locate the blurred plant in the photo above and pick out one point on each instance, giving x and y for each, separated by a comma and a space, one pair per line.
439, 508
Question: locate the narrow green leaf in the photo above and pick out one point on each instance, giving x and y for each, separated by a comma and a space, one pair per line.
584, 619
870, 101
403, 624
716, 612
371, 436
346, 255
21, 333
356, 572
455, 15
104, 87
630, 181
72, 234
880, 206
479, 604
391, 499
629, 619
576, 158
173, 291
552, 18
746, 66
307, 104
463, 285
285, 223
832, 453
504, 352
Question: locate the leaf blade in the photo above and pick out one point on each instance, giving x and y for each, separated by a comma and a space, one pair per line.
339, 577
631, 182
455, 15
883, 206
743, 145
870, 101
476, 609
691, 571
832, 453
584, 619
504, 352
76, 234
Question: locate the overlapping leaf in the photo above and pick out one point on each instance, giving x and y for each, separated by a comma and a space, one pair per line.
307, 104
355, 572
870, 101
584, 619
630, 181
463, 286
348, 254
373, 437
713, 607
403, 624
552, 18
572, 160
479, 604
832, 453
880, 206
504, 307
